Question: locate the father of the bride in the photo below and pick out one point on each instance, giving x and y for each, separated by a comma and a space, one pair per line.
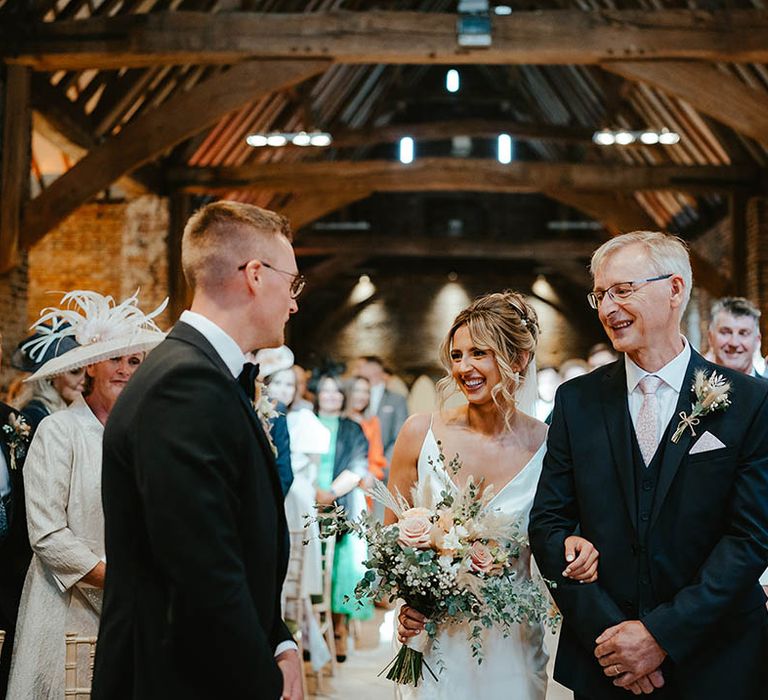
680, 521
195, 528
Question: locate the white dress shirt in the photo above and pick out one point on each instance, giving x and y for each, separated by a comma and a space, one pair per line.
234, 359
672, 376
377, 394
222, 342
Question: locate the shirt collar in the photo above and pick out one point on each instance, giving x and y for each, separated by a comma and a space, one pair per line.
672, 374
222, 342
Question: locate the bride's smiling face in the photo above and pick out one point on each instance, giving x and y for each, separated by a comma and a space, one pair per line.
474, 368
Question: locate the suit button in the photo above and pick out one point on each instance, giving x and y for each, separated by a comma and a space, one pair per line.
647, 485
645, 580
644, 516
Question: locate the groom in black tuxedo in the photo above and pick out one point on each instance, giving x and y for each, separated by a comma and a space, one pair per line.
681, 526
195, 528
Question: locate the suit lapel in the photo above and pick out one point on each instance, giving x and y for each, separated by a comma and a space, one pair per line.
619, 428
186, 333
674, 452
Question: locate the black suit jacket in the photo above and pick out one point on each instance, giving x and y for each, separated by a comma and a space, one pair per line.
707, 542
195, 535
282, 441
15, 555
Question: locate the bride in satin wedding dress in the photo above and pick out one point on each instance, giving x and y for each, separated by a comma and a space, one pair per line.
488, 355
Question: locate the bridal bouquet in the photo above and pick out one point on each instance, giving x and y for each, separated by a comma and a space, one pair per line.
452, 557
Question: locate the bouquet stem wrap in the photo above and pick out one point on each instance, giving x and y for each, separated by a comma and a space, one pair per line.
407, 668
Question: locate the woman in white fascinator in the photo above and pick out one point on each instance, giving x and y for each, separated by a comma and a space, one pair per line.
62, 481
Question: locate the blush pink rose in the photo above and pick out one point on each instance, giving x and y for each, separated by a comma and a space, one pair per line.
415, 528
481, 559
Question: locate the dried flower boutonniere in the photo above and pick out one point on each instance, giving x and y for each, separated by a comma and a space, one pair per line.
17, 435
266, 411
711, 395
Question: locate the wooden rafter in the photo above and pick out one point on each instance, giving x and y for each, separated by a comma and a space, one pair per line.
156, 132
622, 214
420, 246
433, 131
458, 174
306, 208
15, 151
708, 89
541, 37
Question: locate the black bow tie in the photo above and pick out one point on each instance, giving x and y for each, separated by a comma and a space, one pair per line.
247, 379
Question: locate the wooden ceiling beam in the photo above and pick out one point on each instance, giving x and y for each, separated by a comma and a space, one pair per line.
421, 246
434, 131
540, 37
622, 214
155, 132
306, 208
462, 174
711, 91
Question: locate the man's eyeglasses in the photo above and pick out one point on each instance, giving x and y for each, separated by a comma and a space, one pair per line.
620, 291
298, 283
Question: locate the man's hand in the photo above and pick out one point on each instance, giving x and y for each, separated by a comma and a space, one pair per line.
290, 665
631, 656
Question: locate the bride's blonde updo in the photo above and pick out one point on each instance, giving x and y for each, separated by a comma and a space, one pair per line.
505, 324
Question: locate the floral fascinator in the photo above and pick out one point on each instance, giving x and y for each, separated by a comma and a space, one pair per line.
102, 328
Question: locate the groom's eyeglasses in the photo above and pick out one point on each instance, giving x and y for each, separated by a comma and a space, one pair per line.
621, 291
297, 284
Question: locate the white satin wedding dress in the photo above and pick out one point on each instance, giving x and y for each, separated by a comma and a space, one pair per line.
513, 667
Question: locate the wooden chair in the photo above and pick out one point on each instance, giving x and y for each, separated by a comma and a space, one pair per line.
322, 609
2, 639
293, 599
77, 687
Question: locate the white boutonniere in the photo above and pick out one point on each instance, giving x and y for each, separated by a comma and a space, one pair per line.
17, 434
266, 411
711, 395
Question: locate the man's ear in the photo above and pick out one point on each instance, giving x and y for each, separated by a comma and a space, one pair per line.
253, 275
678, 290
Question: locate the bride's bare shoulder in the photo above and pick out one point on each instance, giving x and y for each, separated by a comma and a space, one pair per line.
536, 430
415, 428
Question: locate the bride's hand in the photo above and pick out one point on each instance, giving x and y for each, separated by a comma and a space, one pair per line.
409, 623
581, 556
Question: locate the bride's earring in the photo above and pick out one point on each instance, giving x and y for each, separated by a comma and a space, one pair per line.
516, 378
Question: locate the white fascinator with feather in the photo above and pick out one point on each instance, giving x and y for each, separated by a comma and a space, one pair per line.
102, 328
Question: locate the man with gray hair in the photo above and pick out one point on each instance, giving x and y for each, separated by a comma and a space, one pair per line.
734, 334
676, 503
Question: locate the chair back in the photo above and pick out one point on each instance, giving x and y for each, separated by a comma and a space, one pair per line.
78, 666
2, 639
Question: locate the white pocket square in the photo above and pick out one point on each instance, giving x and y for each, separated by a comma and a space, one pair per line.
706, 443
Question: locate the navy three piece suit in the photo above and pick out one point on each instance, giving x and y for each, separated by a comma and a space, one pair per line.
682, 542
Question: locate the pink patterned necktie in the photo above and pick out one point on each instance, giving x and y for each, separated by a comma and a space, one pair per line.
647, 431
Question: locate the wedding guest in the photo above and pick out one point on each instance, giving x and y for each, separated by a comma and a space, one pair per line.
270, 361
676, 503
302, 399
40, 398
342, 470
62, 479
734, 338
390, 408
14, 542
548, 379
601, 354
575, 367
734, 334
197, 576
358, 399
309, 439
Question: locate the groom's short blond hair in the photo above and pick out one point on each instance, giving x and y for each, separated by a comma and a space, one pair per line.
221, 236
666, 254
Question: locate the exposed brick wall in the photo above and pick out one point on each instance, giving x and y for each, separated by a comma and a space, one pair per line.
13, 316
757, 256
111, 248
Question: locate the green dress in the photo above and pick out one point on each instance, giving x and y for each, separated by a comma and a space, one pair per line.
351, 550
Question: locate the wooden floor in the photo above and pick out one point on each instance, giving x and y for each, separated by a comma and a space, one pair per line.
357, 676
